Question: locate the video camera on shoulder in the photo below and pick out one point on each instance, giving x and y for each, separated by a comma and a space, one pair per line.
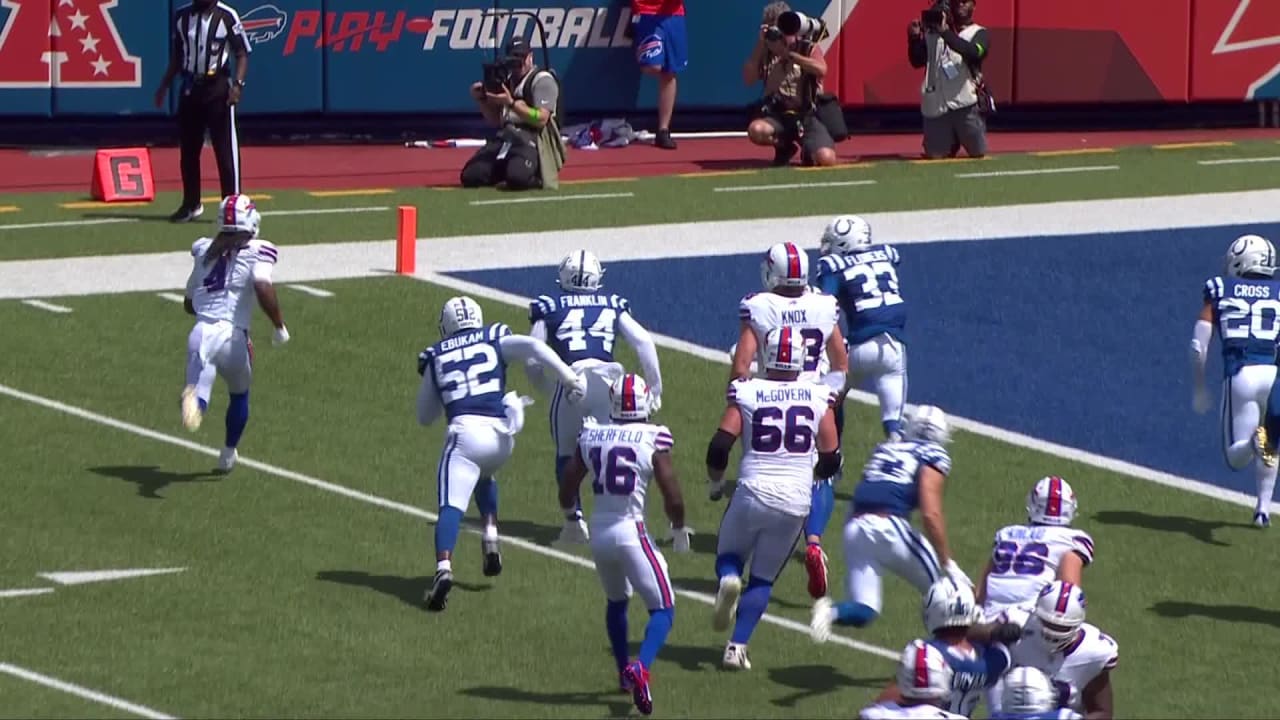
933, 17
807, 29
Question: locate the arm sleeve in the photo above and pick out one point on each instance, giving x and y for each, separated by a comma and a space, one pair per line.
428, 399
545, 92
523, 347
971, 50
239, 38
640, 339
1201, 335
997, 660
532, 369
262, 271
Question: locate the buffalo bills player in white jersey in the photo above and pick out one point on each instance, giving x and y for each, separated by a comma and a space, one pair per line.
581, 325
864, 278
465, 377
1075, 654
1029, 694
923, 683
1025, 558
789, 301
977, 654
218, 294
898, 478
1244, 306
623, 456
782, 421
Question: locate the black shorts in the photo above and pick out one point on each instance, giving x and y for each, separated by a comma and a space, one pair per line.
814, 136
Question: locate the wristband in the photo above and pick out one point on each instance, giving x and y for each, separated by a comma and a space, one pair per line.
534, 114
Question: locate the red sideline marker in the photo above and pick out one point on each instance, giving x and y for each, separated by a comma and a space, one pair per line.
407, 240
122, 175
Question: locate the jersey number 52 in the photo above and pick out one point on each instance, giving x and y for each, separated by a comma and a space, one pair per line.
1242, 319
462, 372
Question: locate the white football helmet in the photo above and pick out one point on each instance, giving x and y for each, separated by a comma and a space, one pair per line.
1251, 254
237, 213
784, 350
845, 234
784, 265
581, 271
1028, 690
629, 398
458, 314
1060, 613
924, 673
949, 604
1051, 502
927, 423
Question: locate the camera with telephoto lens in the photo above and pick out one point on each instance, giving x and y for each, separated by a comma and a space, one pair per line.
497, 75
933, 17
796, 24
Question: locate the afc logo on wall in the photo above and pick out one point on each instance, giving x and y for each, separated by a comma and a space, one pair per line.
64, 43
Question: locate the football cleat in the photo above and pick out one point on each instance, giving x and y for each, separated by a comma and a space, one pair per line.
735, 657
1261, 447
192, 415
1262, 520
726, 603
815, 563
492, 557
437, 597
227, 459
820, 621
638, 677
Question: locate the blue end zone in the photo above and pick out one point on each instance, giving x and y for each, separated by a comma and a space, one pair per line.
1079, 340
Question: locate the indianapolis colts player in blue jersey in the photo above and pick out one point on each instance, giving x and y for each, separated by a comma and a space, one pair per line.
899, 477
864, 278
1244, 306
1029, 694
581, 324
464, 375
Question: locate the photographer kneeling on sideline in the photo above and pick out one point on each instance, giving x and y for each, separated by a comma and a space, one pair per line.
787, 58
521, 100
953, 96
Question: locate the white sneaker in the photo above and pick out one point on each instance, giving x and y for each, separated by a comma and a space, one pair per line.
820, 621
192, 416
726, 603
227, 459
735, 657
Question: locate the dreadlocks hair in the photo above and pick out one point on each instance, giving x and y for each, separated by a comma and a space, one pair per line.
226, 244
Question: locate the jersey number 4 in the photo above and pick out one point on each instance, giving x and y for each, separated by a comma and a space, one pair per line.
879, 285
217, 278
462, 372
1242, 319
572, 333
1026, 560
617, 474
796, 436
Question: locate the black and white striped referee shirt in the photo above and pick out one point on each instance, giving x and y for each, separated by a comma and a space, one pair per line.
205, 38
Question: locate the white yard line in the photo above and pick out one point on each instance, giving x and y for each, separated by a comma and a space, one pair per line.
172, 297
67, 223
552, 198
399, 507
1239, 161
25, 592
792, 186
314, 291
325, 211
978, 428
1042, 171
47, 306
83, 692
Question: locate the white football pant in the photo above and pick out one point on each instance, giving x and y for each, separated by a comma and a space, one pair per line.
883, 360
1244, 403
566, 418
474, 447
215, 349
763, 537
627, 558
876, 543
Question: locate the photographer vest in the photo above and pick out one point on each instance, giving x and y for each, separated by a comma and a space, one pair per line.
790, 84
551, 148
948, 80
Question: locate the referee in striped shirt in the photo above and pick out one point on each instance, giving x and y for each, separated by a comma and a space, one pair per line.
204, 36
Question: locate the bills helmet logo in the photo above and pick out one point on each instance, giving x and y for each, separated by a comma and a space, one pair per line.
264, 23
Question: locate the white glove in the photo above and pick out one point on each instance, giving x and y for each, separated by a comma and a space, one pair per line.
280, 336
715, 490
680, 538
957, 574
655, 402
574, 532
1200, 399
577, 390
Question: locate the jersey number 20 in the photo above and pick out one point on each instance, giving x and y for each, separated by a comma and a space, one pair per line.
1242, 319
462, 372
572, 332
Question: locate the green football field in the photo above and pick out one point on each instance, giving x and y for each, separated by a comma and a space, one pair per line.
302, 572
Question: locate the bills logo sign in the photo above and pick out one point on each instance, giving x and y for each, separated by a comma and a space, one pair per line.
66, 44
264, 23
